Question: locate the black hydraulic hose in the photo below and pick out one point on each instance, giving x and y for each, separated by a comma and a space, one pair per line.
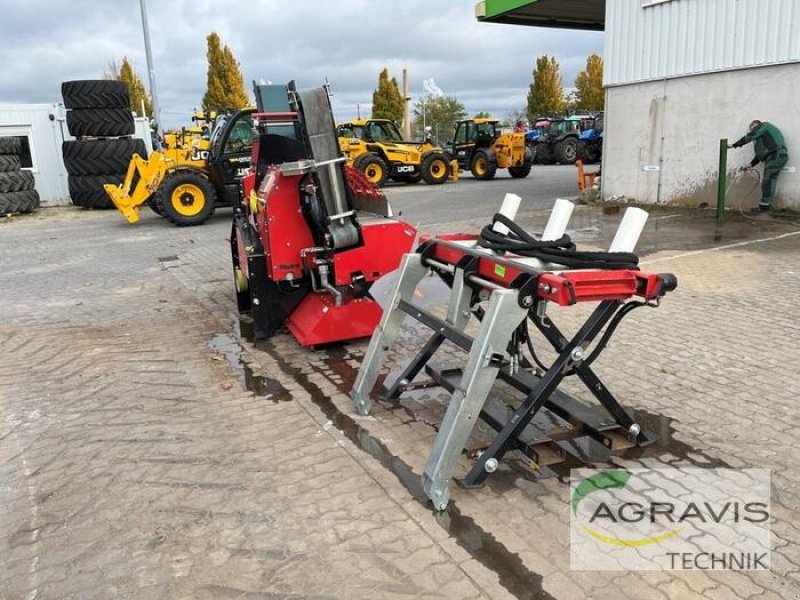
561, 251
609, 331
534, 356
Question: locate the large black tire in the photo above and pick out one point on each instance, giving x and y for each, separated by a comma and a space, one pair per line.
415, 178
373, 167
16, 181
155, 206
588, 153
19, 202
10, 145
100, 122
9, 162
566, 151
435, 168
101, 157
186, 198
543, 154
524, 169
95, 93
87, 190
483, 165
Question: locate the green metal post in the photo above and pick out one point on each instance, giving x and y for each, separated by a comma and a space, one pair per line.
722, 184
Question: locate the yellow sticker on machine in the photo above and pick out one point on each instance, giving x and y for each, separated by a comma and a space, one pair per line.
500, 270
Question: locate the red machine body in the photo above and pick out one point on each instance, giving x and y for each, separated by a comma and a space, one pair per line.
317, 320
296, 275
565, 288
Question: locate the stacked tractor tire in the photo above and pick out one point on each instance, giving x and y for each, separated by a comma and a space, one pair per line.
17, 193
99, 116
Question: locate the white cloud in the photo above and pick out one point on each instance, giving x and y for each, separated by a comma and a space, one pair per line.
486, 66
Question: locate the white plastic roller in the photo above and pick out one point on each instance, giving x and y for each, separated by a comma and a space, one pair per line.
629, 230
558, 221
508, 209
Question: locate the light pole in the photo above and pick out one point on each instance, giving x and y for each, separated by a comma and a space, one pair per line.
358, 109
424, 116
150, 70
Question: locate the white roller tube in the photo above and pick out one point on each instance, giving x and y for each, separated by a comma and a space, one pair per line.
507, 209
558, 221
555, 228
629, 230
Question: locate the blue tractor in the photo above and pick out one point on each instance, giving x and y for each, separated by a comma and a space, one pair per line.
590, 141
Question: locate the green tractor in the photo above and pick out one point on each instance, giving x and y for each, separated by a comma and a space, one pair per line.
559, 141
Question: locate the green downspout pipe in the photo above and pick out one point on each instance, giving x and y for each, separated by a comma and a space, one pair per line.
722, 184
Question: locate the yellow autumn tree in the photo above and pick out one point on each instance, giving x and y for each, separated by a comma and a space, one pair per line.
546, 92
225, 84
387, 101
125, 72
589, 93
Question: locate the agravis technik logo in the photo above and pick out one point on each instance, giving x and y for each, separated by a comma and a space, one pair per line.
645, 519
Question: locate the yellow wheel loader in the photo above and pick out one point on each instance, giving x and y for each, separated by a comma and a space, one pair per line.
480, 146
197, 135
185, 181
376, 148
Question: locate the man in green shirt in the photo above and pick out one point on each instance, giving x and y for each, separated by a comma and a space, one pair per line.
770, 148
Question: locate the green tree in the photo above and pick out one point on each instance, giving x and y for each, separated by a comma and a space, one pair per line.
589, 92
225, 84
387, 102
440, 114
482, 115
546, 92
125, 72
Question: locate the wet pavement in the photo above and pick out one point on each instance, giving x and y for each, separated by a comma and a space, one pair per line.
149, 448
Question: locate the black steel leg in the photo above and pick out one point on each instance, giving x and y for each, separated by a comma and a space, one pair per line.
415, 366
539, 395
595, 386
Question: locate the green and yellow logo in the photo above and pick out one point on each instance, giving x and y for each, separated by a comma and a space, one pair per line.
625, 512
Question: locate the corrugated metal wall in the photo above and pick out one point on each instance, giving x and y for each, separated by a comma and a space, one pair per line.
674, 38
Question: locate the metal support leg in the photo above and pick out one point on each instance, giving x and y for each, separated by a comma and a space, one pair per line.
539, 395
411, 273
458, 314
596, 387
503, 316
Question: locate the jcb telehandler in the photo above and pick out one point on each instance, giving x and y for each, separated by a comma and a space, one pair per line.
376, 148
197, 134
187, 180
480, 146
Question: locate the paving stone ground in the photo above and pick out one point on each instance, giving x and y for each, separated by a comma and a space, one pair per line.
149, 451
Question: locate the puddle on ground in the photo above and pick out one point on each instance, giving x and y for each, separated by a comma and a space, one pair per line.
665, 231
423, 406
673, 229
337, 366
481, 545
264, 387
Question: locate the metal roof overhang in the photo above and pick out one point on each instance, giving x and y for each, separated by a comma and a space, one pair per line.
566, 14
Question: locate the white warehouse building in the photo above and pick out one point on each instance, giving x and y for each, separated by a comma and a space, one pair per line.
679, 76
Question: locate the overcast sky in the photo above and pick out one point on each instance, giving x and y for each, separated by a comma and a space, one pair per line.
486, 66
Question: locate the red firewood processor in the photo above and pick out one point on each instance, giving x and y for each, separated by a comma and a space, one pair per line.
312, 235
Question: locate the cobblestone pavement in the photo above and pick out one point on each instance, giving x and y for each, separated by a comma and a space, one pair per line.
148, 451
